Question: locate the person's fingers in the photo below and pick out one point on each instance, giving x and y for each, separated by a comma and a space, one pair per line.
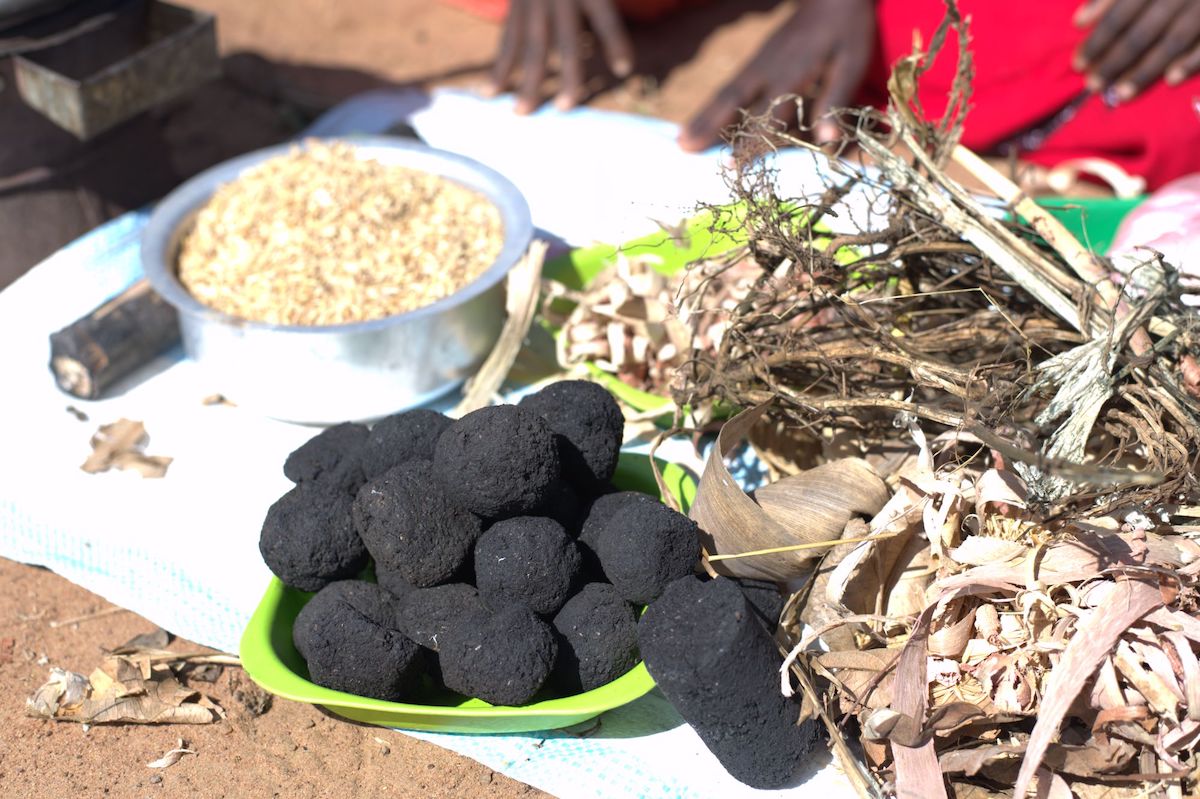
842, 79
533, 65
1182, 35
1184, 67
1089, 12
510, 43
570, 64
610, 30
1134, 42
1108, 28
705, 127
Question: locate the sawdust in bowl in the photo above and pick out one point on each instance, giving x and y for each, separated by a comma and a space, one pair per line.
324, 236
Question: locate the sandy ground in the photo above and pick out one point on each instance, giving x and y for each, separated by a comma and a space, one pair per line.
284, 64
289, 750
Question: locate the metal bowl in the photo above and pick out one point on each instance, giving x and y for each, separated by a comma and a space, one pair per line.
334, 373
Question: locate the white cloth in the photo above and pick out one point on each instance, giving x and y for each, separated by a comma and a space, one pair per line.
183, 551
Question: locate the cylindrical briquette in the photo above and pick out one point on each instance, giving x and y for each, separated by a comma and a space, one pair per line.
411, 527
347, 635
719, 668
503, 657
765, 600
527, 560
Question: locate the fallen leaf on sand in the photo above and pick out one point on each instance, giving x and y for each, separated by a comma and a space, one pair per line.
172, 756
121, 445
124, 689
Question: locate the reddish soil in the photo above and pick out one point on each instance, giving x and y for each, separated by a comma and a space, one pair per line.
291, 750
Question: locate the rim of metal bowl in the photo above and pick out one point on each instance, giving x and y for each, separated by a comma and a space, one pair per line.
160, 242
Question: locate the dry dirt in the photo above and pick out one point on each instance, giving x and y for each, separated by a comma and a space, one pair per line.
284, 64
291, 750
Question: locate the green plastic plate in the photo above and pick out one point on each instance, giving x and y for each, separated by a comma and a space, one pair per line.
272, 661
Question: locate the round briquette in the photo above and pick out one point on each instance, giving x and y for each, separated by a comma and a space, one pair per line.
308, 538
400, 438
393, 582
590, 426
411, 527
597, 640
503, 658
348, 637
719, 668
646, 545
427, 614
332, 456
600, 511
498, 462
527, 560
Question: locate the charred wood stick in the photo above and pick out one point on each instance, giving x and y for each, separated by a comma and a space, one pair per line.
125, 333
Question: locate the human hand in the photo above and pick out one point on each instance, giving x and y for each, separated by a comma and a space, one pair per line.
1136, 42
821, 52
534, 27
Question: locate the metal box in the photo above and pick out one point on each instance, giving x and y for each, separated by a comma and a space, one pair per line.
147, 53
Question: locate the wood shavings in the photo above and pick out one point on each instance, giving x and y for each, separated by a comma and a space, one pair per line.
121, 445
637, 324
322, 236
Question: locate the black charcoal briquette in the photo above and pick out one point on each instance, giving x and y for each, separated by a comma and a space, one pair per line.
597, 639
411, 527
308, 538
348, 637
332, 456
498, 462
720, 670
400, 438
527, 560
644, 546
589, 424
503, 658
427, 614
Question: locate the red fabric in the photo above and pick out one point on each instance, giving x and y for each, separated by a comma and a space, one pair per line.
1023, 74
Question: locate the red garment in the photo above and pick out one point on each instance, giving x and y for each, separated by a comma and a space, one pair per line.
1023, 75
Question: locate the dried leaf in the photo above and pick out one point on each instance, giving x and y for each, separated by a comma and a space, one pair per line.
858, 583
171, 757
121, 445
979, 550
812, 502
1002, 488
917, 771
1096, 636
120, 691
811, 507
